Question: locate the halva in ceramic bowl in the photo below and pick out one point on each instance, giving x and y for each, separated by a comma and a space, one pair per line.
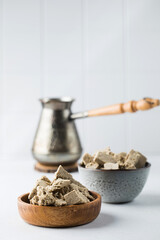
111, 179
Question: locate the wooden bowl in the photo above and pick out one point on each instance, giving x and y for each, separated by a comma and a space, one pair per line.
65, 216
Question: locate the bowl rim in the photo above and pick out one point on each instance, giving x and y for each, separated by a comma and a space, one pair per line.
147, 165
20, 201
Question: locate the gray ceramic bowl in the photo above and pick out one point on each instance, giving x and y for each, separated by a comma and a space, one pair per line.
115, 186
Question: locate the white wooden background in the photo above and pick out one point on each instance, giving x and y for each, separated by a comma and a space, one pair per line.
98, 51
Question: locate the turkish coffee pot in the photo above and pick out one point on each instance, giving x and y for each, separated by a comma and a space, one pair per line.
57, 141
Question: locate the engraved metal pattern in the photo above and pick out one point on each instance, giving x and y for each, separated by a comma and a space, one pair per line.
56, 140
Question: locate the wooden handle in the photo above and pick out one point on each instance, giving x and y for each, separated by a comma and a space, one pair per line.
131, 106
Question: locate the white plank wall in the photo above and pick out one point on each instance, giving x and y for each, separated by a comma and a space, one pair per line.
143, 71
21, 75
104, 83
1, 75
98, 51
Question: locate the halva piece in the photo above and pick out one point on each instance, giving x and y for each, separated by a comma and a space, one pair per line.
105, 159
135, 160
93, 165
75, 197
63, 190
87, 158
110, 166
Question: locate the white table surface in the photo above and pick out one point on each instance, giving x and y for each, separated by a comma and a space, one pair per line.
139, 219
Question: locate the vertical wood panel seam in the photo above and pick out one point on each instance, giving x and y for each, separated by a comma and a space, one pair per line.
1, 51
124, 55
82, 51
84, 44
82, 63
2, 54
42, 32
84, 22
2, 74
128, 83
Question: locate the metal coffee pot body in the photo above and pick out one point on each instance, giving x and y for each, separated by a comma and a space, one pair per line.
56, 140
